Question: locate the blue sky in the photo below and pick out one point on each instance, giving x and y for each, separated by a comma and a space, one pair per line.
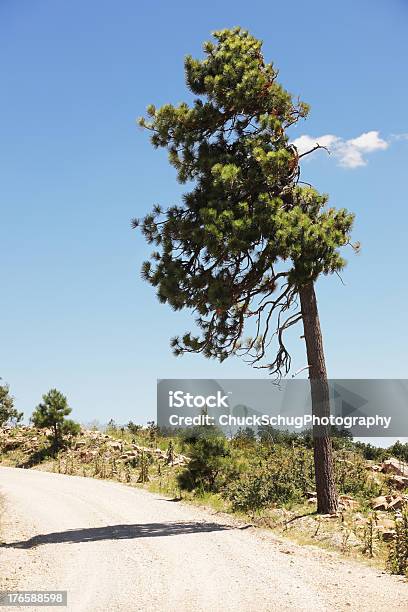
74, 313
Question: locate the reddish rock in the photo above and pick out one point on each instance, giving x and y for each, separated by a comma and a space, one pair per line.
395, 466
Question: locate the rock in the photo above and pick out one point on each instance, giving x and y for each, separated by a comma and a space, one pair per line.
79, 443
395, 466
87, 455
348, 502
388, 535
129, 455
145, 449
379, 503
94, 435
115, 445
330, 516
396, 503
375, 468
178, 461
385, 523
399, 482
359, 519
389, 502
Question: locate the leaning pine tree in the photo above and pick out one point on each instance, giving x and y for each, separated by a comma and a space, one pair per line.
249, 240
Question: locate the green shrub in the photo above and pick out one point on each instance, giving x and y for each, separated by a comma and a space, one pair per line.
282, 476
210, 465
259, 489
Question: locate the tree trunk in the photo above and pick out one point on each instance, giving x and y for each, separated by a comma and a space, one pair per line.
56, 437
327, 501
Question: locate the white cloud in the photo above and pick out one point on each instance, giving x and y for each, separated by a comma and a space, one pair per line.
368, 142
305, 143
349, 153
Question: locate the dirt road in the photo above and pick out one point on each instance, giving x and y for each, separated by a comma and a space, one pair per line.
115, 548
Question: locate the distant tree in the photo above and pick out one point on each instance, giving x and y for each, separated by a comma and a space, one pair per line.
8, 414
111, 426
191, 435
153, 430
370, 452
51, 414
270, 435
133, 428
399, 450
244, 249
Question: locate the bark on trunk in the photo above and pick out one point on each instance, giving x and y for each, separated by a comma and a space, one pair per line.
56, 438
327, 501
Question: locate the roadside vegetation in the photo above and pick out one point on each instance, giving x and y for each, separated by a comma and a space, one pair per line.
266, 480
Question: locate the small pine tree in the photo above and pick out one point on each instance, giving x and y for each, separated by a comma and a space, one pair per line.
133, 428
51, 413
111, 426
209, 457
8, 414
153, 431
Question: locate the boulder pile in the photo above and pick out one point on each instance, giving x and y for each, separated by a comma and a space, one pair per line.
86, 447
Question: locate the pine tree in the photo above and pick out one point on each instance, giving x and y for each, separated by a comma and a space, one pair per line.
51, 414
8, 413
250, 239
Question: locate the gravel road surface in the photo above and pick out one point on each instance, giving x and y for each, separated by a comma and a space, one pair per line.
116, 548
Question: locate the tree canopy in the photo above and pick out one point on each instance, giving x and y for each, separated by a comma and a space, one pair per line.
249, 233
